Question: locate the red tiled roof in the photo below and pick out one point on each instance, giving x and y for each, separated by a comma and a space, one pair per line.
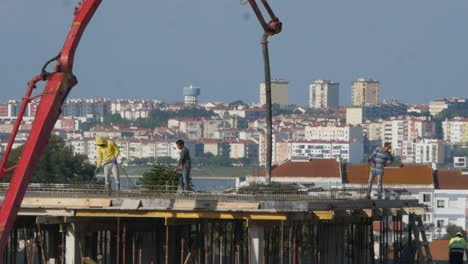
451, 180
409, 174
316, 168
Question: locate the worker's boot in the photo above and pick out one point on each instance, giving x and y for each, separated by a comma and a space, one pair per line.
108, 189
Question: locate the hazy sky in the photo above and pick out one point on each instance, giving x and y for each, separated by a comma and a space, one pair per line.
418, 49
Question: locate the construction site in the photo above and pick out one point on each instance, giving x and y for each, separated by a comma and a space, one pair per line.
55, 225
86, 223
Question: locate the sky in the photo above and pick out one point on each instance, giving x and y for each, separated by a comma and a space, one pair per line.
150, 49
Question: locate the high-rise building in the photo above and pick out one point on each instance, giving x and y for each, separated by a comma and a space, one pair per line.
191, 94
279, 92
323, 94
365, 91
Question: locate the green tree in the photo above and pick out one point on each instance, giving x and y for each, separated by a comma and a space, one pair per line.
452, 230
460, 151
115, 119
236, 103
58, 164
161, 177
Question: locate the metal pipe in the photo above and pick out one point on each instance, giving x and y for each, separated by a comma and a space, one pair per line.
167, 245
140, 249
118, 240
133, 249
182, 246
124, 243
268, 106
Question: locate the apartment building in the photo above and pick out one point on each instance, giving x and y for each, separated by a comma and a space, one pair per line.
86, 107
324, 94
348, 151
456, 131
333, 132
279, 92
425, 151
356, 115
365, 91
191, 127
449, 201
397, 130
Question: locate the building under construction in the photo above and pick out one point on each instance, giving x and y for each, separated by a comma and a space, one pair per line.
56, 225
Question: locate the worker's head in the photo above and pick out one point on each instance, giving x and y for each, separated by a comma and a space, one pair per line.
180, 144
100, 142
459, 234
387, 146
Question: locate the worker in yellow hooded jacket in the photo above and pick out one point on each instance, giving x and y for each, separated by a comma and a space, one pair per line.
107, 152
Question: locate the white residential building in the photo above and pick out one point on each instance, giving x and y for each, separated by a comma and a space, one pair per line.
333, 132
324, 94
456, 130
397, 130
460, 162
425, 151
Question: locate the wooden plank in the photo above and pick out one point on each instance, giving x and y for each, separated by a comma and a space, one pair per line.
237, 206
65, 202
46, 212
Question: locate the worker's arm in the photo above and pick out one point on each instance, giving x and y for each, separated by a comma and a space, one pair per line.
372, 155
99, 158
116, 150
181, 160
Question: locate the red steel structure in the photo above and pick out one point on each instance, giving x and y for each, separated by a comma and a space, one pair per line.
58, 84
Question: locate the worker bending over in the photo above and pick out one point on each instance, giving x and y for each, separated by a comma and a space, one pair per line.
457, 247
107, 152
380, 158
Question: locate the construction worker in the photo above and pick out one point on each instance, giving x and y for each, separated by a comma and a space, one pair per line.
457, 247
380, 158
108, 152
184, 165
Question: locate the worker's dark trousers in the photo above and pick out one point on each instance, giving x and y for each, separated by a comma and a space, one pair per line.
456, 258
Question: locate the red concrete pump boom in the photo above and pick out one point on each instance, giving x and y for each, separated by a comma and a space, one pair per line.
58, 84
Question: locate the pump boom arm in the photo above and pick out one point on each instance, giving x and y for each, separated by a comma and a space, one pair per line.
58, 84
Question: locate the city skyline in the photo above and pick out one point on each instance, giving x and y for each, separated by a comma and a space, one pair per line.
412, 58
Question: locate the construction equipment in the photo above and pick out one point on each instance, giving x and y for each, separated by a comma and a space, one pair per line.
58, 85
271, 28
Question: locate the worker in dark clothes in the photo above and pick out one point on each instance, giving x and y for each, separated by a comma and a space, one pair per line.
380, 158
184, 165
457, 248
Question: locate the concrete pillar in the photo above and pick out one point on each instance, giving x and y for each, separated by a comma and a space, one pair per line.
257, 242
72, 252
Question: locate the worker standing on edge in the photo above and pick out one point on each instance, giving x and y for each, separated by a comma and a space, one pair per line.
380, 158
457, 247
184, 165
108, 152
